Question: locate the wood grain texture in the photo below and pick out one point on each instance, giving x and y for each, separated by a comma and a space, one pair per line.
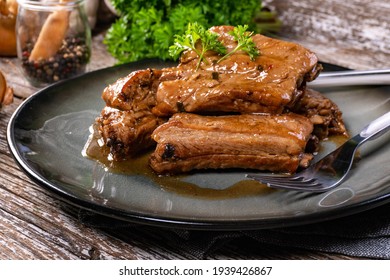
34, 224
354, 34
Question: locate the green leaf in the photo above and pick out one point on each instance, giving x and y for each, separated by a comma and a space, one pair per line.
244, 42
198, 39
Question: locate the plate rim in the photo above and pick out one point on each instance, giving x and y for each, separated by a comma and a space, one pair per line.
162, 221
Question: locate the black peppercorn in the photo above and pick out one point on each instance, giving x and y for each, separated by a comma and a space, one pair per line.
70, 60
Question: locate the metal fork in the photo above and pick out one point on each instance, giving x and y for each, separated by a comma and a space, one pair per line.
330, 171
352, 78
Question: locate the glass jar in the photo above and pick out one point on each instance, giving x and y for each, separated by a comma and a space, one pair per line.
53, 39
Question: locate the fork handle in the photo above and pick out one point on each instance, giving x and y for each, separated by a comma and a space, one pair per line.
352, 78
376, 128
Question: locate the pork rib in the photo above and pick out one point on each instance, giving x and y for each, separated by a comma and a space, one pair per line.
263, 142
135, 92
268, 84
274, 83
322, 112
126, 123
127, 133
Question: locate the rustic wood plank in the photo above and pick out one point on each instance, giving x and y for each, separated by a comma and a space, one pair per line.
34, 223
353, 34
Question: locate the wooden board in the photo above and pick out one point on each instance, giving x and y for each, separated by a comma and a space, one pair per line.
353, 34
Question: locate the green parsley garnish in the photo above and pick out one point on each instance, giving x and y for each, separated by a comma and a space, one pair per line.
244, 43
198, 39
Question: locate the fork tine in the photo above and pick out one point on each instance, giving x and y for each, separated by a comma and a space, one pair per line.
319, 188
270, 178
285, 182
274, 176
305, 184
297, 180
310, 185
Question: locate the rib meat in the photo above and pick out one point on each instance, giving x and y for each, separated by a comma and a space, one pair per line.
263, 142
322, 112
126, 123
272, 84
268, 84
135, 92
127, 133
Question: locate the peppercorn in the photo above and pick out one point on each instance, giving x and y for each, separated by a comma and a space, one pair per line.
70, 60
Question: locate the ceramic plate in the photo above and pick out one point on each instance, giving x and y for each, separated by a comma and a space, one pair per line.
47, 134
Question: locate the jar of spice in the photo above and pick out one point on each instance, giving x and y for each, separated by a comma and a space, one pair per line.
53, 39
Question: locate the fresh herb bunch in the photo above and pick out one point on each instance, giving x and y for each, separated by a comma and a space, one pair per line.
146, 29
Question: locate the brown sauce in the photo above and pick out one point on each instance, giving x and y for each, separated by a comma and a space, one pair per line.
140, 166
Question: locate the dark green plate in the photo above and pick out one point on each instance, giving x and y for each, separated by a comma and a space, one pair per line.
48, 131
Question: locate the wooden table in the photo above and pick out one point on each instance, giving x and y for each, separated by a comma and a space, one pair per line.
36, 225
353, 34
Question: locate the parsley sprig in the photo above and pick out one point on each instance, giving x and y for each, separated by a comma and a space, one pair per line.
244, 43
200, 40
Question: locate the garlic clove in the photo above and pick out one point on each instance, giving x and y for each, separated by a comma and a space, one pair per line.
6, 93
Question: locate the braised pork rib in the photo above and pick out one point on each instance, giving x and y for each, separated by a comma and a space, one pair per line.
238, 113
127, 133
262, 142
322, 112
267, 84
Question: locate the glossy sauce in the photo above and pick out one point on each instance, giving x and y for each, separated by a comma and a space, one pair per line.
140, 166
